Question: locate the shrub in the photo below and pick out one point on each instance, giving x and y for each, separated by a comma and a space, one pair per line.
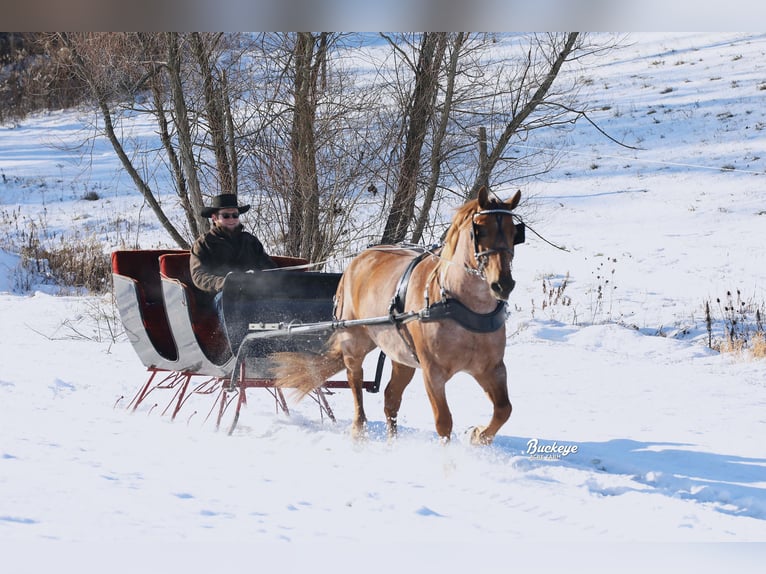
33, 78
81, 264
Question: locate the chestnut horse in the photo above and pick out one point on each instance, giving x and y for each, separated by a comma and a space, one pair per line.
454, 302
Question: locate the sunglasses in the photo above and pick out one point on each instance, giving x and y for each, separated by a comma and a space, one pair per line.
228, 215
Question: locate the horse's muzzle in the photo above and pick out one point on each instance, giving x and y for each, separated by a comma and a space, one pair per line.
502, 288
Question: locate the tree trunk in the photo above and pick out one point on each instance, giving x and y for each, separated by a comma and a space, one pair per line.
155, 77
304, 237
183, 130
214, 112
233, 158
483, 159
137, 180
421, 110
436, 147
175, 164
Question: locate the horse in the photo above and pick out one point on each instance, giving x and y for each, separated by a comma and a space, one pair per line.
447, 312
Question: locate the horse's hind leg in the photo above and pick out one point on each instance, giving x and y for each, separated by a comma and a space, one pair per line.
401, 375
355, 375
354, 350
494, 383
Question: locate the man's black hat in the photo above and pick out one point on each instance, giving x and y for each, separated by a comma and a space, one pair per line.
223, 201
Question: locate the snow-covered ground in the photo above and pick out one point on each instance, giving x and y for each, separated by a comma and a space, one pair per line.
665, 437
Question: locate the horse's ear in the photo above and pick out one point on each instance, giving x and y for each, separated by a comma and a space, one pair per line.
514, 201
483, 197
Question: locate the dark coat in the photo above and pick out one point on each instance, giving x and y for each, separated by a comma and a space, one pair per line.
218, 252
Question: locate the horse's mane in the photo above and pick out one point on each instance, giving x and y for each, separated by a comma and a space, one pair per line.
462, 214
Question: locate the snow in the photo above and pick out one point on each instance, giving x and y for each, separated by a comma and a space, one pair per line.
665, 437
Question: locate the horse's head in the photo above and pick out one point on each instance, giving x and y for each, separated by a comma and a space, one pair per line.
494, 234
483, 233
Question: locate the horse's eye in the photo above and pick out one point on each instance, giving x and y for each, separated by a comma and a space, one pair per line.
480, 232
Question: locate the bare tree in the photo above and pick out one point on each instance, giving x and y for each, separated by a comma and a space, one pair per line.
157, 86
440, 131
535, 79
309, 65
85, 64
217, 112
487, 96
183, 129
316, 146
190, 91
419, 111
309, 127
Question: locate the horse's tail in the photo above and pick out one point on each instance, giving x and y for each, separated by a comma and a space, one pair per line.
305, 372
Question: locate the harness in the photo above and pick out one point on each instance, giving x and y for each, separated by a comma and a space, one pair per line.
449, 308
446, 308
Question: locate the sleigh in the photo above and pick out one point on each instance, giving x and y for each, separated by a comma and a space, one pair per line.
187, 350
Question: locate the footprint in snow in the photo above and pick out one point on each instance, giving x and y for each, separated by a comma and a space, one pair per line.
61, 387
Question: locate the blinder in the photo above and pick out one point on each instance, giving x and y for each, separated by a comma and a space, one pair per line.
521, 233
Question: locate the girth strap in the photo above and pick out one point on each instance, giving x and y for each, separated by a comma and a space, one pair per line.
398, 300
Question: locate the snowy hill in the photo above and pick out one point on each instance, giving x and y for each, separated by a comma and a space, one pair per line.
669, 434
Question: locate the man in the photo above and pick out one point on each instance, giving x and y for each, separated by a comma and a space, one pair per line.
226, 247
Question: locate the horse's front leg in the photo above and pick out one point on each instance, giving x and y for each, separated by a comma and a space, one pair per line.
401, 375
435, 382
494, 382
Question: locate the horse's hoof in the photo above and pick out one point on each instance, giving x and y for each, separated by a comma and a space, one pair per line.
391, 430
360, 434
479, 438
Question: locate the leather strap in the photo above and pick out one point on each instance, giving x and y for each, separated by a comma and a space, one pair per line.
400, 295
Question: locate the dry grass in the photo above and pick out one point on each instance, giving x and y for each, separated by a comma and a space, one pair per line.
741, 321
758, 346
73, 261
82, 264
736, 346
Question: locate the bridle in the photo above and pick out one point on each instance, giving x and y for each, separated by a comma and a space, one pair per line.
483, 256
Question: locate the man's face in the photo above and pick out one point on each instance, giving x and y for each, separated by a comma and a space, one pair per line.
227, 218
